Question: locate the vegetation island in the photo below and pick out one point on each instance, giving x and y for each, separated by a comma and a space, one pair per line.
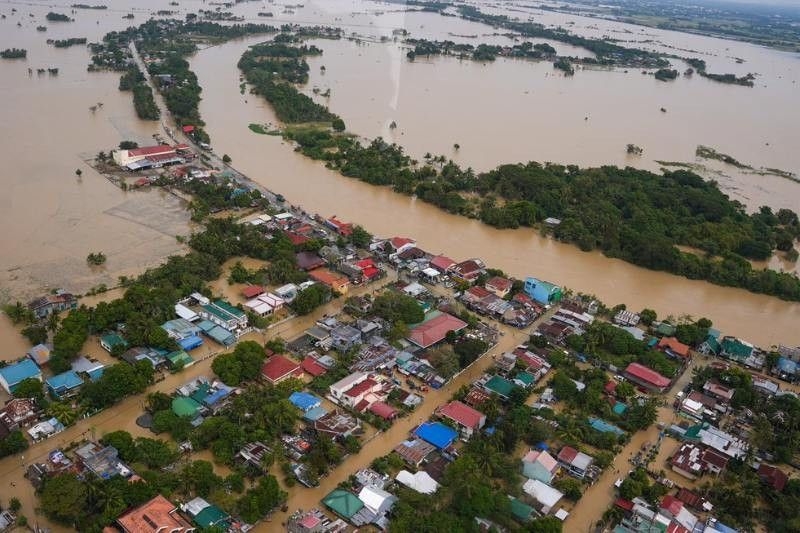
635, 215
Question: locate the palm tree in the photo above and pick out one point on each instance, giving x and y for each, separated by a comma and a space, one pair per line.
52, 322
63, 412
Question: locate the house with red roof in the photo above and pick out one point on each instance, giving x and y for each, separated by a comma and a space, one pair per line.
434, 330
356, 397
311, 367
383, 410
674, 348
345, 229
673, 509
467, 419
296, 239
398, 244
279, 368
336, 282
156, 516
647, 377
499, 286
442, 263
251, 291
774, 477
467, 271
368, 269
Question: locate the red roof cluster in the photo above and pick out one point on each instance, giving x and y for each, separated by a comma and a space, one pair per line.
499, 284
647, 375
462, 414
399, 242
148, 151
368, 268
774, 477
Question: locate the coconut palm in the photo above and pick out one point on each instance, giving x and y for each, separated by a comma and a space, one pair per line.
63, 412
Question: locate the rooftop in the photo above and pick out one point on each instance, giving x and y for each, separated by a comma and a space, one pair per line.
154, 516
647, 375
435, 330
278, 367
463, 414
14, 373
343, 503
437, 434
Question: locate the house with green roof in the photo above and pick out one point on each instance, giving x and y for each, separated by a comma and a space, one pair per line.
186, 407
710, 346
179, 359
500, 386
111, 341
524, 379
343, 503
224, 314
736, 349
521, 510
212, 516
665, 329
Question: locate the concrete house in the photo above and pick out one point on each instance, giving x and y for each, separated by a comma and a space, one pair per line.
467, 419
12, 375
539, 465
345, 337
542, 291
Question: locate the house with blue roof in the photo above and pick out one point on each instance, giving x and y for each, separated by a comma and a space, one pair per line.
64, 385
436, 433
12, 375
543, 292
598, 424
304, 401
191, 342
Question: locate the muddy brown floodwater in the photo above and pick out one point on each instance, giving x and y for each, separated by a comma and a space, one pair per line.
500, 112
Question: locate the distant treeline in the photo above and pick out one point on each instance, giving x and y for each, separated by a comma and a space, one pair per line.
700, 66
66, 43
87, 6
14, 53
481, 52
57, 17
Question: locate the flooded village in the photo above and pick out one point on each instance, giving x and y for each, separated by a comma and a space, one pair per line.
342, 359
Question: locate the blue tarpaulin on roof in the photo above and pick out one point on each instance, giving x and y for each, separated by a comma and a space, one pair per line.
190, 343
304, 401
437, 434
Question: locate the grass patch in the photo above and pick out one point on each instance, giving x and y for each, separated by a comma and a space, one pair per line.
262, 130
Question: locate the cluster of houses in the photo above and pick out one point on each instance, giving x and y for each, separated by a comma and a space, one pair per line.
672, 515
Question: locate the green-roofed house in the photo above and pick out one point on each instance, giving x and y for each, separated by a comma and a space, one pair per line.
711, 345
224, 314
665, 329
212, 516
179, 359
112, 340
735, 349
521, 510
343, 503
500, 386
183, 406
524, 379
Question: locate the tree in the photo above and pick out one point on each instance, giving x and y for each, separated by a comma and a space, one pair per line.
35, 333
64, 498
128, 145
624, 390
310, 298
647, 316
14, 504
13, 443
469, 350
228, 368
338, 124
18, 312
360, 237
31, 388
571, 487
444, 360
398, 307
226, 159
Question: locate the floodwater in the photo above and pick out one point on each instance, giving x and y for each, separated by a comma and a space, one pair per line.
509, 110
501, 112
